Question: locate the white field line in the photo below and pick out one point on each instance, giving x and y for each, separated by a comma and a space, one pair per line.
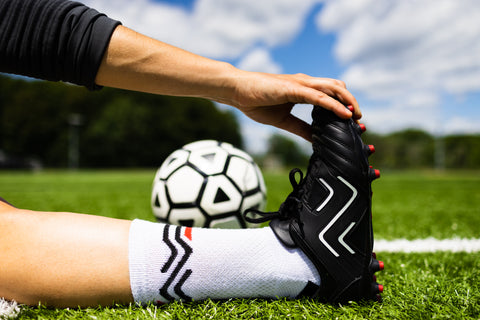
428, 245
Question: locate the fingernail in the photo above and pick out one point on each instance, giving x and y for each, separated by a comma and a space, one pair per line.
350, 108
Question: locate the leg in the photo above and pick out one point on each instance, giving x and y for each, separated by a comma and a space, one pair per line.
67, 259
63, 259
323, 228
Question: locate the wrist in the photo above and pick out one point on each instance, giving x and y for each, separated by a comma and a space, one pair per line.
223, 84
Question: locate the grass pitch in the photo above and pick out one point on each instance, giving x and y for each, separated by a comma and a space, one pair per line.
405, 205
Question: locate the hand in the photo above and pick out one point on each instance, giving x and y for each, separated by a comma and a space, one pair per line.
269, 99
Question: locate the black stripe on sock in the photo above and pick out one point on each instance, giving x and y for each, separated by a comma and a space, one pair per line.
174, 251
187, 253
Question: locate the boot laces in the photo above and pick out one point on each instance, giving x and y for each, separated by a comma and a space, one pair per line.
288, 209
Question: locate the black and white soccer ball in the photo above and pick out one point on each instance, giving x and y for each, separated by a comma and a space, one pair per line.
208, 184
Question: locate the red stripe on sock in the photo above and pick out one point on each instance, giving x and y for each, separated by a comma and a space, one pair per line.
188, 233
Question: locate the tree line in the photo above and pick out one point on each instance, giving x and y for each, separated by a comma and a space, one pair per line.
406, 149
115, 128
112, 128
413, 148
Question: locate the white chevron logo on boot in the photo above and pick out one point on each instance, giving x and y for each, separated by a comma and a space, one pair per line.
337, 216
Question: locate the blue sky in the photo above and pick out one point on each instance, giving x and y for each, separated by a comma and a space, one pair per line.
409, 63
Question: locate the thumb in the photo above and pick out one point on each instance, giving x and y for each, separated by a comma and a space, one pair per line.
296, 126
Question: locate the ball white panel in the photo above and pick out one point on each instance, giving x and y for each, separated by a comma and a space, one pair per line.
243, 173
209, 160
200, 145
234, 151
179, 216
220, 196
159, 202
263, 187
226, 223
184, 185
173, 162
256, 201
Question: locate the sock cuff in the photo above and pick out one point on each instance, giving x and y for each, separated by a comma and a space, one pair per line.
145, 256
158, 254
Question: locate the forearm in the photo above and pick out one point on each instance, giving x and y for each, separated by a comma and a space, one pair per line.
156, 67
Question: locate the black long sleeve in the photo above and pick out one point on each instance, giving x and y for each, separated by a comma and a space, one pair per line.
53, 40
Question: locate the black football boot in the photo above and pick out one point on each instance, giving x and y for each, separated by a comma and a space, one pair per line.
328, 213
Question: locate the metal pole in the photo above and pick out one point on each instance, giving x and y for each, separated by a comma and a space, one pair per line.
75, 120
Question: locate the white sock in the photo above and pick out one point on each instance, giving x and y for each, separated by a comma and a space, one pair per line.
8, 309
177, 263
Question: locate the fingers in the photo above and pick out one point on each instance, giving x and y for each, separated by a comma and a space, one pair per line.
349, 100
334, 105
324, 100
330, 94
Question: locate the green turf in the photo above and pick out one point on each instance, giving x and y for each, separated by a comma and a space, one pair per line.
420, 204
406, 205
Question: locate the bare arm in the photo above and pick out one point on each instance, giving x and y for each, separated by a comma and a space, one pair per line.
136, 62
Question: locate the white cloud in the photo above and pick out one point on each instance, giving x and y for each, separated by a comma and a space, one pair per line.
461, 125
406, 55
397, 117
259, 60
222, 29
255, 137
